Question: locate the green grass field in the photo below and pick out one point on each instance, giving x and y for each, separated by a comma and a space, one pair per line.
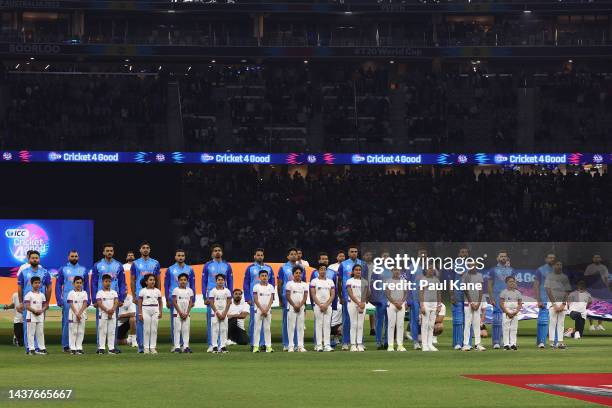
310, 379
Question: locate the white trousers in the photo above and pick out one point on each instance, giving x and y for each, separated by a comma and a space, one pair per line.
509, 327
428, 321
471, 321
36, 330
395, 326
219, 332
322, 325
181, 329
106, 333
76, 332
556, 324
150, 319
295, 319
265, 321
356, 319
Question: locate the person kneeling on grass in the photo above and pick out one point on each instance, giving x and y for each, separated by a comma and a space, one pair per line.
149, 312
17, 320
263, 297
182, 302
219, 300
126, 329
510, 302
578, 302
236, 315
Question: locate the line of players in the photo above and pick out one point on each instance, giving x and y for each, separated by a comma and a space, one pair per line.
342, 284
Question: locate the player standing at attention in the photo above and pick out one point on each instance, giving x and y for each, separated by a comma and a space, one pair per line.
17, 319
430, 299
171, 282
457, 303
129, 260
357, 297
24, 285
143, 266
557, 287
108, 266
220, 299
182, 302
77, 300
36, 305
415, 274
396, 293
150, 312
472, 305
511, 302
263, 297
296, 293
107, 300
285, 275
211, 269
496, 282
329, 274
542, 298
345, 271
322, 294
379, 299
251, 278
63, 285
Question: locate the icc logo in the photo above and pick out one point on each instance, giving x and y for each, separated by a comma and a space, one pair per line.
312, 158
16, 233
7, 156
53, 156
357, 158
500, 158
462, 158
597, 158
205, 158
160, 157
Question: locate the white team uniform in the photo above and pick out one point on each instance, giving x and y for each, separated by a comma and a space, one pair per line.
221, 298
181, 327
511, 300
323, 288
559, 285
128, 306
428, 320
471, 318
355, 314
18, 318
150, 316
265, 294
395, 316
296, 319
236, 309
76, 329
36, 323
106, 324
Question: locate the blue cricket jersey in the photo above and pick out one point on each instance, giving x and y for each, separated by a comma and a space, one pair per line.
171, 279
213, 268
378, 295
24, 279
499, 275
285, 275
346, 269
65, 279
251, 278
142, 267
540, 275
113, 268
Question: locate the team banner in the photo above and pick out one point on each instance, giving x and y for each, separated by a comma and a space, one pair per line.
445, 159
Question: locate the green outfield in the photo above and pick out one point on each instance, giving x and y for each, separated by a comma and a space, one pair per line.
339, 379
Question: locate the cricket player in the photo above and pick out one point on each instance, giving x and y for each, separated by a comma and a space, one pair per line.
182, 303
24, 285
285, 275
296, 293
77, 302
220, 299
143, 266
357, 297
63, 285
300, 261
107, 300
542, 298
472, 307
457, 301
345, 271
322, 294
150, 309
17, 319
557, 287
430, 299
36, 305
113, 268
593, 273
251, 278
415, 274
396, 294
171, 282
211, 269
263, 297
511, 302
496, 282
379, 300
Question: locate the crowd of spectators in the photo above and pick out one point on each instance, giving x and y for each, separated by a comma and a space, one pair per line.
245, 209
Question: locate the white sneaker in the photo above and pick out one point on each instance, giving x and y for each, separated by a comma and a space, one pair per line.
567, 334
360, 348
210, 349
465, 348
328, 348
147, 351
432, 348
289, 350
317, 348
354, 348
577, 335
229, 343
390, 348
592, 328
426, 348
480, 347
401, 348
302, 350
541, 345
345, 347
600, 327
285, 348
435, 340
496, 346
458, 347
153, 351
417, 346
